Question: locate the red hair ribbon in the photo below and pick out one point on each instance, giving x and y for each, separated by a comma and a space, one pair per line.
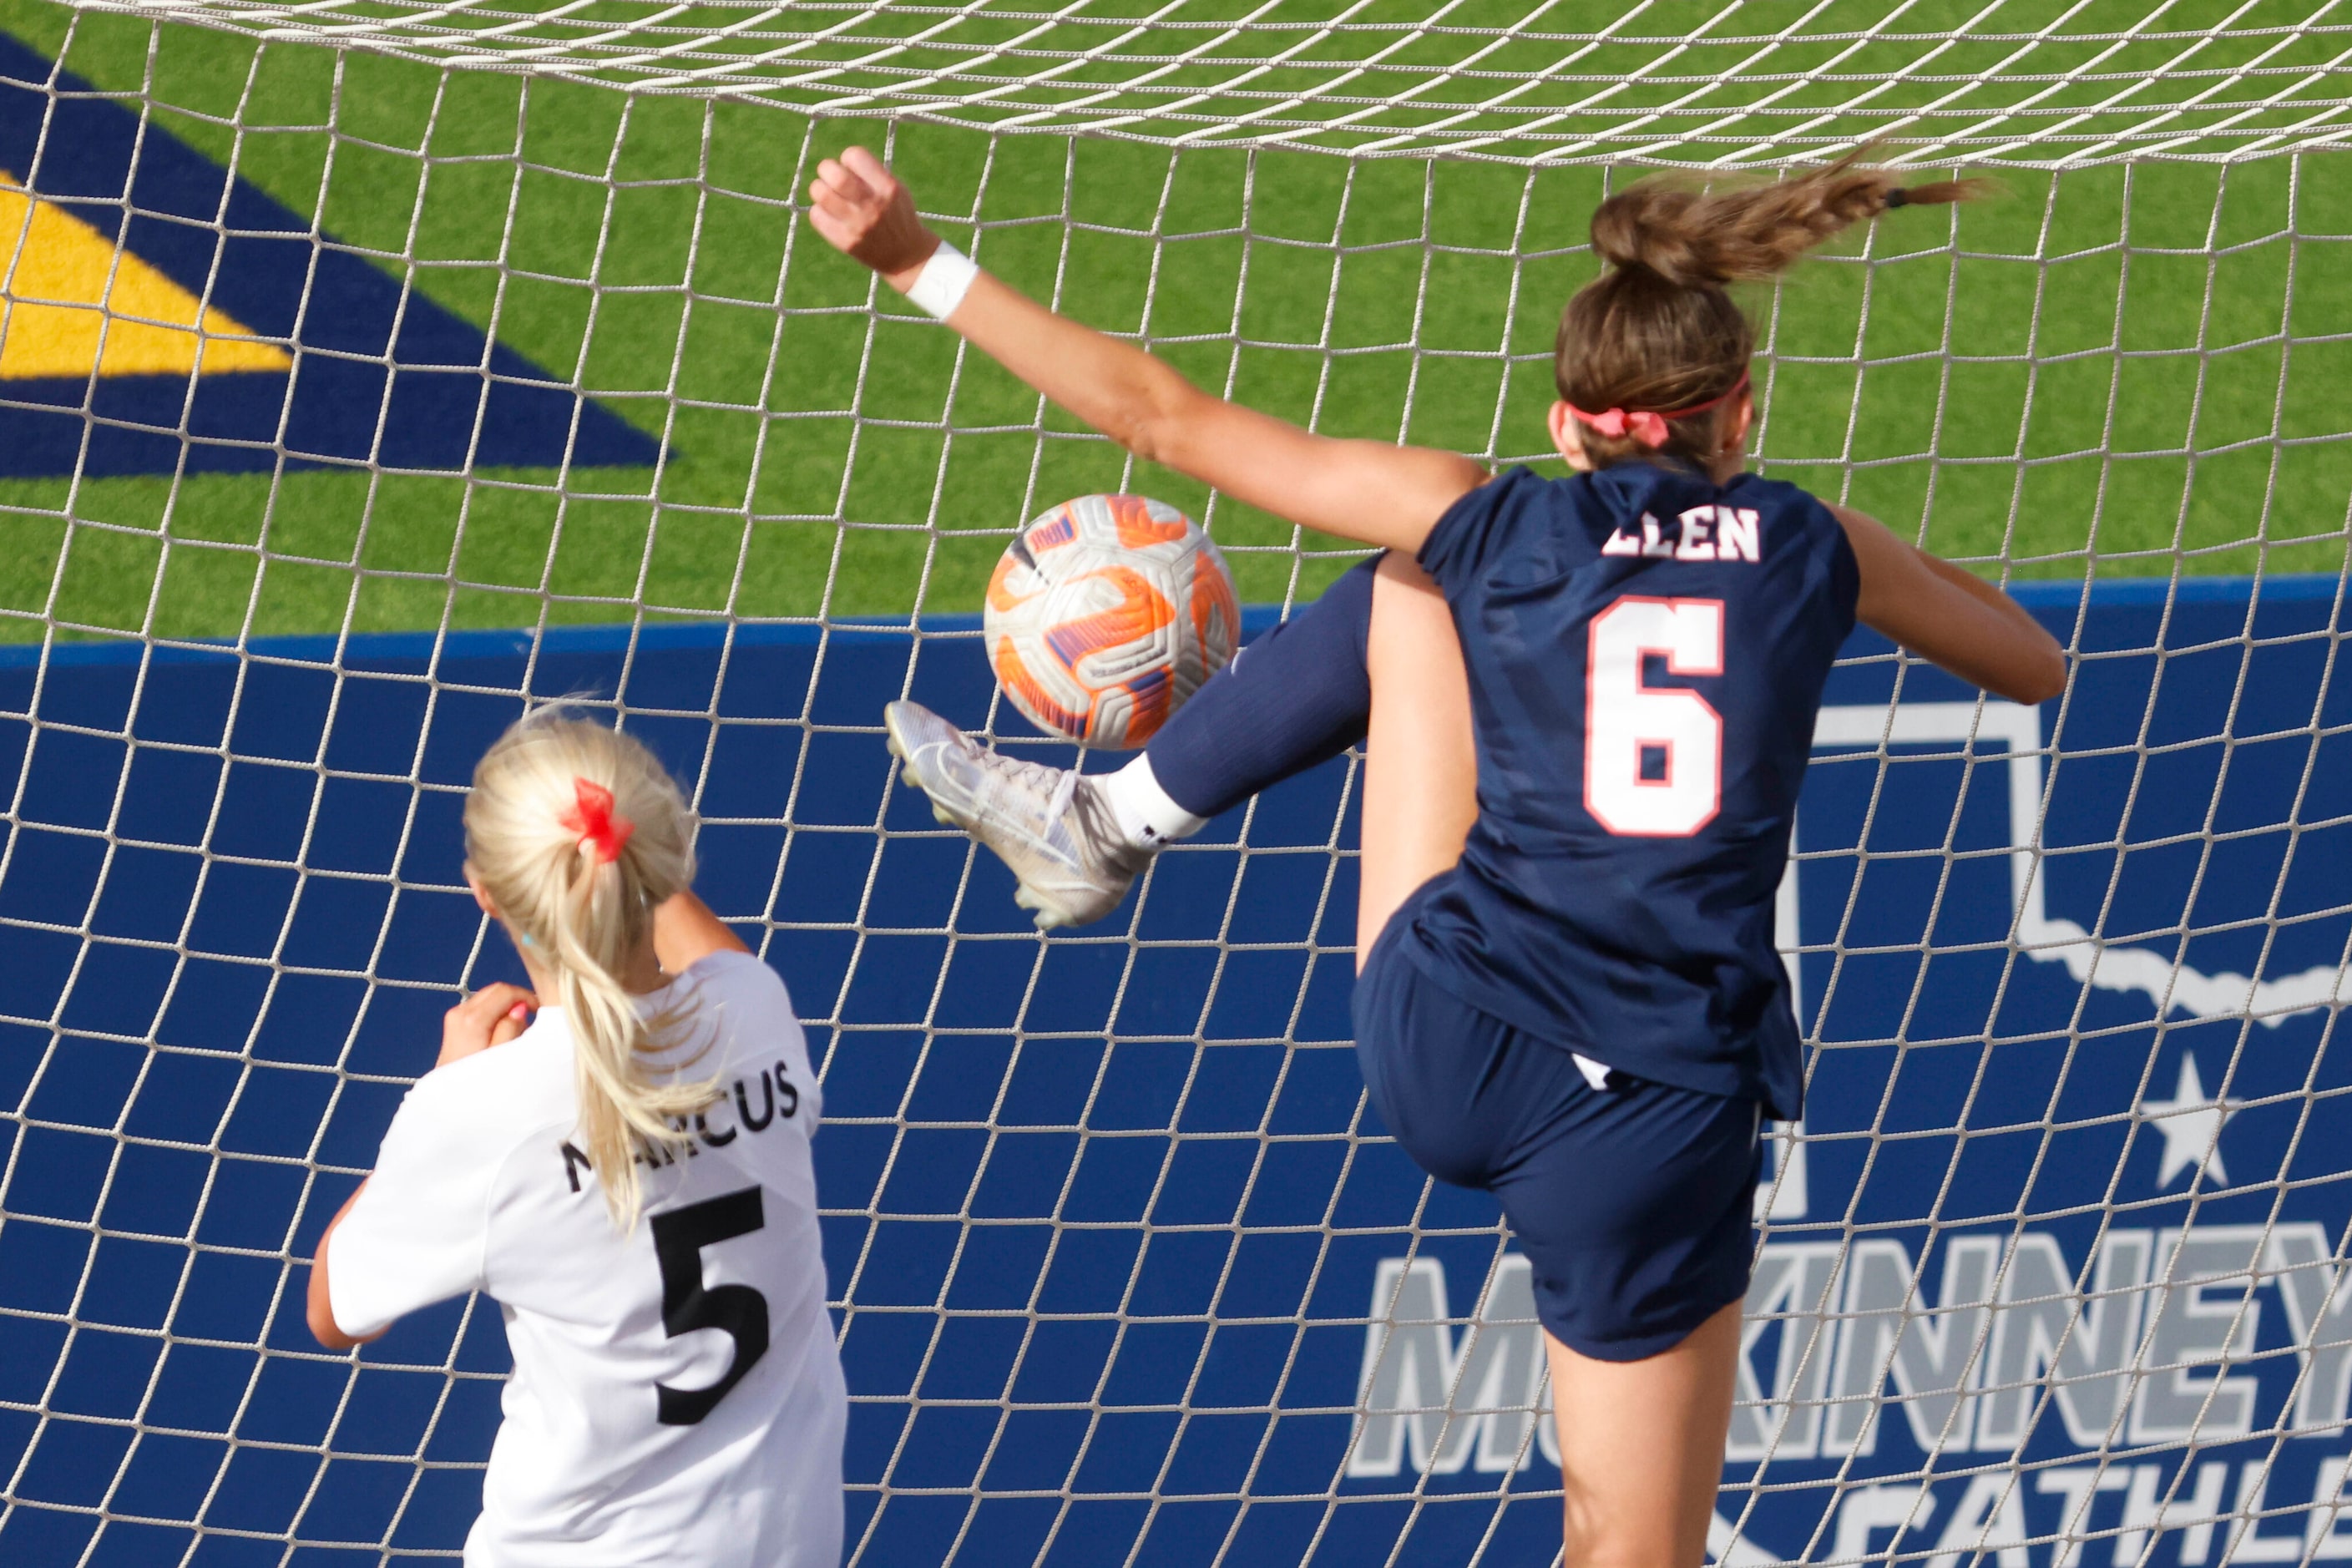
602, 830
1646, 426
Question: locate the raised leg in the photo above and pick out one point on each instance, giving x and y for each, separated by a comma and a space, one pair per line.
1294, 698
1640, 1442
1641, 1448
1298, 697
1421, 771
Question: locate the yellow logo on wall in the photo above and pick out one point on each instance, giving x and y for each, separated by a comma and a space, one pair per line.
72, 302
160, 315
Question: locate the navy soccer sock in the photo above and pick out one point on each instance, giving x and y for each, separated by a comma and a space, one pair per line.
1297, 696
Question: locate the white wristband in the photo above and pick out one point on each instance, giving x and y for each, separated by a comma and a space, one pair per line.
944, 281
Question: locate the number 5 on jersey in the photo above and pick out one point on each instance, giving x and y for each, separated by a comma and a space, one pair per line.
738, 1311
1632, 730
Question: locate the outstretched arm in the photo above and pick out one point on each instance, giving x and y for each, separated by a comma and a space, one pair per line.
1365, 490
1954, 618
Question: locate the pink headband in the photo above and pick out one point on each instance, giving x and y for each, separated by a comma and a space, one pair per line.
603, 831
1645, 426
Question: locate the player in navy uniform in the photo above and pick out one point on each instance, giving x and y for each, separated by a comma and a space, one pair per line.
1588, 703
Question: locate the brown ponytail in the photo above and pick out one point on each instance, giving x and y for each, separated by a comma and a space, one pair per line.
1657, 331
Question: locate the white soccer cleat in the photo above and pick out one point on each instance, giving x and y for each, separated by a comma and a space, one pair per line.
1050, 825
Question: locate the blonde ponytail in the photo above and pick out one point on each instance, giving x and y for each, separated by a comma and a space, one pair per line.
577, 835
1657, 333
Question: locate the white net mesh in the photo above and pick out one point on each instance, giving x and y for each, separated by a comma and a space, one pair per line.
322, 370
2031, 80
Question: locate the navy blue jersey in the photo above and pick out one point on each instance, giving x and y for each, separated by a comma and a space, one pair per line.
1646, 653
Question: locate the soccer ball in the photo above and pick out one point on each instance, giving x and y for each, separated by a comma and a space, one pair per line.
1105, 614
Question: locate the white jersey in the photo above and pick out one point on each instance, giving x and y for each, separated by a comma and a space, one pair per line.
676, 1397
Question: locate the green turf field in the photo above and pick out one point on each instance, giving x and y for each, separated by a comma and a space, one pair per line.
2128, 403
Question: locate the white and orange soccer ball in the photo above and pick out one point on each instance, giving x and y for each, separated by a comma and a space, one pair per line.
1105, 614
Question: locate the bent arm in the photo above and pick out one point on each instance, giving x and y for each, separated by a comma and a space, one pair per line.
319, 1306
1955, 619
1366, 490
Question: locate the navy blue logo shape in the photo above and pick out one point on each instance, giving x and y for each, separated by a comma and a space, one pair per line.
379, 374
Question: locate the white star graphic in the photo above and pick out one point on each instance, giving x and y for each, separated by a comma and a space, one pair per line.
2192, 1124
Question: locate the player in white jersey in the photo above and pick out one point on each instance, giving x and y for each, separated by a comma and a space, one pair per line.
620, 1157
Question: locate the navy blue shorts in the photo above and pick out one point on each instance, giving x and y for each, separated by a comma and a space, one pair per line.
1633, 1203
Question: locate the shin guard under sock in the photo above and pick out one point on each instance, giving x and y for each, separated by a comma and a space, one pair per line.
1297, 696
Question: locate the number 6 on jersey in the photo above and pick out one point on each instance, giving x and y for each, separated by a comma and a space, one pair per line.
1627, 724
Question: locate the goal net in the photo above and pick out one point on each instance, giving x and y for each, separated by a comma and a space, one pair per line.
370, 369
